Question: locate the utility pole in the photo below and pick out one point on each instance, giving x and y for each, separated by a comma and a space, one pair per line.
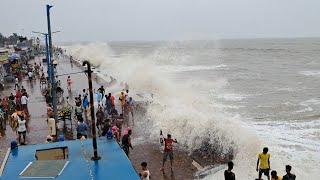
51, 75
47, 51
47, 56
93, 121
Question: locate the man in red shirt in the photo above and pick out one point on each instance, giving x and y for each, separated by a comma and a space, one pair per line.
168, 150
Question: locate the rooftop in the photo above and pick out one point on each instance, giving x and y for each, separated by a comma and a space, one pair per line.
113, 164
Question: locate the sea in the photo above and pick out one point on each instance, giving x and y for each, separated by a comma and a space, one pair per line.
239, 94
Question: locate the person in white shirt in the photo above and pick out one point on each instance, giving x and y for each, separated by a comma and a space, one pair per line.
145, 174
22, 128
24, 103
30, 75
16, 84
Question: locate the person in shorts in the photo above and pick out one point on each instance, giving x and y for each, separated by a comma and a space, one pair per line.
22, 129
168, 150
263, 163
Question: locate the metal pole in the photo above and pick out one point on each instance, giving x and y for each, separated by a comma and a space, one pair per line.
93, 124
47, 56
53, 83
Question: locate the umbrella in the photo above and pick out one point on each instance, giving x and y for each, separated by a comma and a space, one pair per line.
14, 56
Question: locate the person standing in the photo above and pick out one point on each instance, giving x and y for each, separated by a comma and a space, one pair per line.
168, 151
16, 84
24, 103
84, 93
22, 129
82, 129
18, 99
145, 173
122, 99
100, 118
274, 176
30, 75
99, 97
85, 103
78, 111
126, 143
107, 105
289, 175
112, 99
69, 82
102, 90
263, 163
228, 174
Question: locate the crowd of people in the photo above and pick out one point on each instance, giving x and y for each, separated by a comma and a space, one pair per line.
14, 108
263, 168
111, 121
108, 119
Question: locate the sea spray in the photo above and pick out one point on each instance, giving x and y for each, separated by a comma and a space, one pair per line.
177, 107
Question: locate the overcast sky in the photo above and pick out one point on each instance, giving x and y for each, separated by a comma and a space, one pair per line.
112, 20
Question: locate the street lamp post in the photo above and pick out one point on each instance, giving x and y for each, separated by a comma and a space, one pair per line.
47, 52
53, 82
93, 121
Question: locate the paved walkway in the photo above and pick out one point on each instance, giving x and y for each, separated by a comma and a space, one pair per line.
37, 109
183, 169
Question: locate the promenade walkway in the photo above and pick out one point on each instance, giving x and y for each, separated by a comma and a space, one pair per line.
183, 169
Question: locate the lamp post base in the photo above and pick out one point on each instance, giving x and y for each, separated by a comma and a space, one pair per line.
95, 158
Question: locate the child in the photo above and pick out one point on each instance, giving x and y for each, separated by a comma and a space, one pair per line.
145, 173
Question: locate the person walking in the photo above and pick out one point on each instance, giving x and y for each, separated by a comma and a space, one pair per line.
145, 173
22, 129
263, 163
126, 143
228, 174
289, 175
168, 151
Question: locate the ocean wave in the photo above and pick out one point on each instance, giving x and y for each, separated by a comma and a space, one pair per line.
181, 68
177, 108
310, 73
231, 97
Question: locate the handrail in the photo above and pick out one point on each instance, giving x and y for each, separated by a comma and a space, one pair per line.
4, 161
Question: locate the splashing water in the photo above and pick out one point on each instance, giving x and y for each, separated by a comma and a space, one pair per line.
182, 107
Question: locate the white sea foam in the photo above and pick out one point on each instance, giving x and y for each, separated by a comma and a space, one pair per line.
182, 68
179, 109
310, 73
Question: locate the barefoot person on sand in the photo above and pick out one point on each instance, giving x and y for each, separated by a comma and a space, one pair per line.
69, 82
289, 175
263, 163
274, 176
126, 143
228, 174
168, 151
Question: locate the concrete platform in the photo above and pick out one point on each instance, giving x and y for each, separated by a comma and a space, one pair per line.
113, 164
